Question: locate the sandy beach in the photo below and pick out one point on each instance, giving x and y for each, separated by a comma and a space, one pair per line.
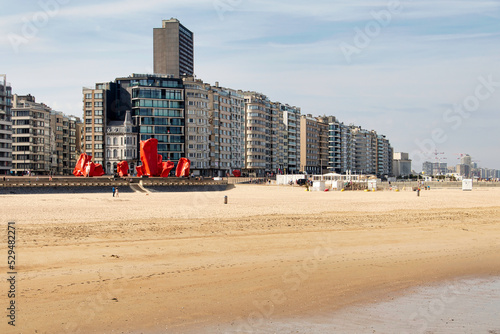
185, 262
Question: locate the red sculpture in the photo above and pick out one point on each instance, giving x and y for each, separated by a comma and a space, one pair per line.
183, 167
122, 168
152, 162
85, 167
167, 167
236, 173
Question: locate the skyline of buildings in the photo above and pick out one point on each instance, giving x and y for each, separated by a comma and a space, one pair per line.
220, 129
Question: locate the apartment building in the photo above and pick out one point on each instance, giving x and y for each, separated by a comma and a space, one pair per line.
96, 103
290, 118
227, 129
258, 131
198, 125
314, 134
383, 155
31, 136
44, 141
65, 142
5, 126
157, 103
156, 106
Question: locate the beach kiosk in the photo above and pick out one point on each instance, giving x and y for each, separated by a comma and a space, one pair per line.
467, 185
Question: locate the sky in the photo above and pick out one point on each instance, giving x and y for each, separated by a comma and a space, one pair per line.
426, 74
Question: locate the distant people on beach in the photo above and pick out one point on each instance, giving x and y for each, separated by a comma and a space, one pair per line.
114, 191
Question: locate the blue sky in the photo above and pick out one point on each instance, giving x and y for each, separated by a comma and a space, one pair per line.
424, 73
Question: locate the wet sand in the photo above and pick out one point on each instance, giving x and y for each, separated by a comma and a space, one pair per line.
456, 306
187, 263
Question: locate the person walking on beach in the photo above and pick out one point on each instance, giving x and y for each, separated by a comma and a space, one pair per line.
114, 191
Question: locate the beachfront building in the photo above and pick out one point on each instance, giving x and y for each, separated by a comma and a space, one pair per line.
157, 103
289, 116
44, 141
31, 136
314, 135
227, 130
65, 143
5, 126
173, 49
197, 130
121, 144
401, 164
156, 107
258, 127
383, 155
336, 130
96, 103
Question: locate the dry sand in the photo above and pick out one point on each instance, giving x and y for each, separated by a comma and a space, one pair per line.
181, 262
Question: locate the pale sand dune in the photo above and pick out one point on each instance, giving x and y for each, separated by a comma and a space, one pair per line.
176, 262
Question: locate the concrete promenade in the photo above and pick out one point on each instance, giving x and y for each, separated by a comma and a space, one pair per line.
72, 184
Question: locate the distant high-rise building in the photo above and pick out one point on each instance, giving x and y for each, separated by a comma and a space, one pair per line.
173, 47
434, 168
401, 164
5, 126
464, 170
466, 160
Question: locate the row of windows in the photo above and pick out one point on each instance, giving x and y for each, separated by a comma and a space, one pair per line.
162, 94
88, 96
160, 130
157, 104
162, 121
160, 112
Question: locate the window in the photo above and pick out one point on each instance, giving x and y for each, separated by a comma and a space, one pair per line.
98, 95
